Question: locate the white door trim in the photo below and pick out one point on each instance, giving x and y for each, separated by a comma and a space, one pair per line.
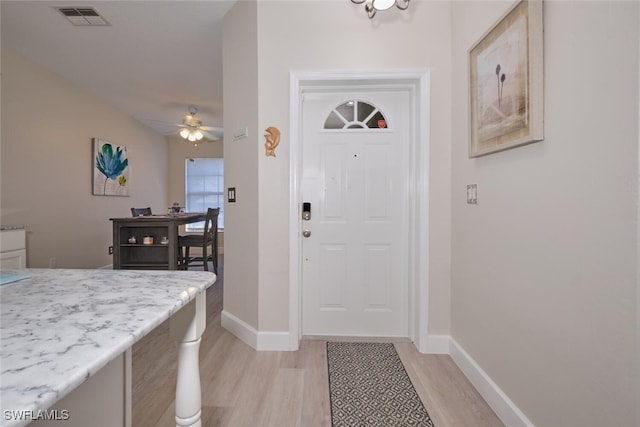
418, 83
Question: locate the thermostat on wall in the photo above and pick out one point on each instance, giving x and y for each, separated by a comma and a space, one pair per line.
241, 133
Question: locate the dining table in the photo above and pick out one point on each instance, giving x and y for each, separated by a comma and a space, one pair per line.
150, 242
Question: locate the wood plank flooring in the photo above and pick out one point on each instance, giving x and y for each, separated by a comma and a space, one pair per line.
243, 387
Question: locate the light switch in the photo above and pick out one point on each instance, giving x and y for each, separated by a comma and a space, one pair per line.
231, 194
472, 194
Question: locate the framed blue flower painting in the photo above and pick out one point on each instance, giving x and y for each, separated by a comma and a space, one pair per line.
110, 169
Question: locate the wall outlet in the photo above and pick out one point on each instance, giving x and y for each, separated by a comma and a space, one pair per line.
110, 250
472, 194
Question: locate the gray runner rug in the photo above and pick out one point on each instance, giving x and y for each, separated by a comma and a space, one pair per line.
369, 386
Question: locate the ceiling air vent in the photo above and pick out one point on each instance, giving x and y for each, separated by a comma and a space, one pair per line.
83, 16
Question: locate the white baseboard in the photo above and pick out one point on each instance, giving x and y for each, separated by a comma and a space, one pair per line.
242, 330
261, 341
504, 408
435, 344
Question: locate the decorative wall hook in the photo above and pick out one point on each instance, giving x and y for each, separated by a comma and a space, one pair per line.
272, 140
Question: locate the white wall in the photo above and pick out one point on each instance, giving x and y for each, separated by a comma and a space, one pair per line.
338, 35
329, 35
240, 71
637, 338
46, 149
544, 268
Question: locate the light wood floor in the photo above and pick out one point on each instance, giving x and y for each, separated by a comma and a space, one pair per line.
242, 387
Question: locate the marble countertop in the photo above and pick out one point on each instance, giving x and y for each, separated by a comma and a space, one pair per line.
59, 327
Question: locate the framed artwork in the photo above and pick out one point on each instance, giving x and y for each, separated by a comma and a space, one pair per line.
110, 169
506, 82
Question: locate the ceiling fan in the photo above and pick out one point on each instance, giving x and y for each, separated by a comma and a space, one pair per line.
193, 131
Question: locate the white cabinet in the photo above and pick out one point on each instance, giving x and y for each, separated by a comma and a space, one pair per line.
13, 248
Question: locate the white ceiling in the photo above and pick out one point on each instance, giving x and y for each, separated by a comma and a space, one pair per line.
156, 58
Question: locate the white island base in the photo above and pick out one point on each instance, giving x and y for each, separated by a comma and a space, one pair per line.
119, 318
104, 400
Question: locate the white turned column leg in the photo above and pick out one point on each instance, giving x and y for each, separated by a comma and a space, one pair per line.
186, 328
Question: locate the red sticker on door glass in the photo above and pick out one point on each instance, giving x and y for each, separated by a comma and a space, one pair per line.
382, 123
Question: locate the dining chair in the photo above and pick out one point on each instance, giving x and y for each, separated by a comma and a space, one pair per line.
140, 211
208, 238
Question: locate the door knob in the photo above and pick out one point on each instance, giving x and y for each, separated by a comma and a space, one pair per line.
306, 232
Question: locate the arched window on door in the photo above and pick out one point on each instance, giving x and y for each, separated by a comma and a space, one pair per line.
355, 114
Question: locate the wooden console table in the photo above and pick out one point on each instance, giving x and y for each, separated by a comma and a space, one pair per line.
150, 256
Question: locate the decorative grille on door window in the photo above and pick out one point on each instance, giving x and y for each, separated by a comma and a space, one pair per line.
355, 115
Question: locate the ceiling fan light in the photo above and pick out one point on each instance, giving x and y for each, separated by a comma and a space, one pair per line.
372, 6
383, 4
192, 130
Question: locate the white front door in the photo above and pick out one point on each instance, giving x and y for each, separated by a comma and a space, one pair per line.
355, 177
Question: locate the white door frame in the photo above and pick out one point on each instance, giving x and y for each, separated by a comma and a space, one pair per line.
417, 81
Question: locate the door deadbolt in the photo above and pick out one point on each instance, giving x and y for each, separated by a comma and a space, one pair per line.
306, 211
306, 232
